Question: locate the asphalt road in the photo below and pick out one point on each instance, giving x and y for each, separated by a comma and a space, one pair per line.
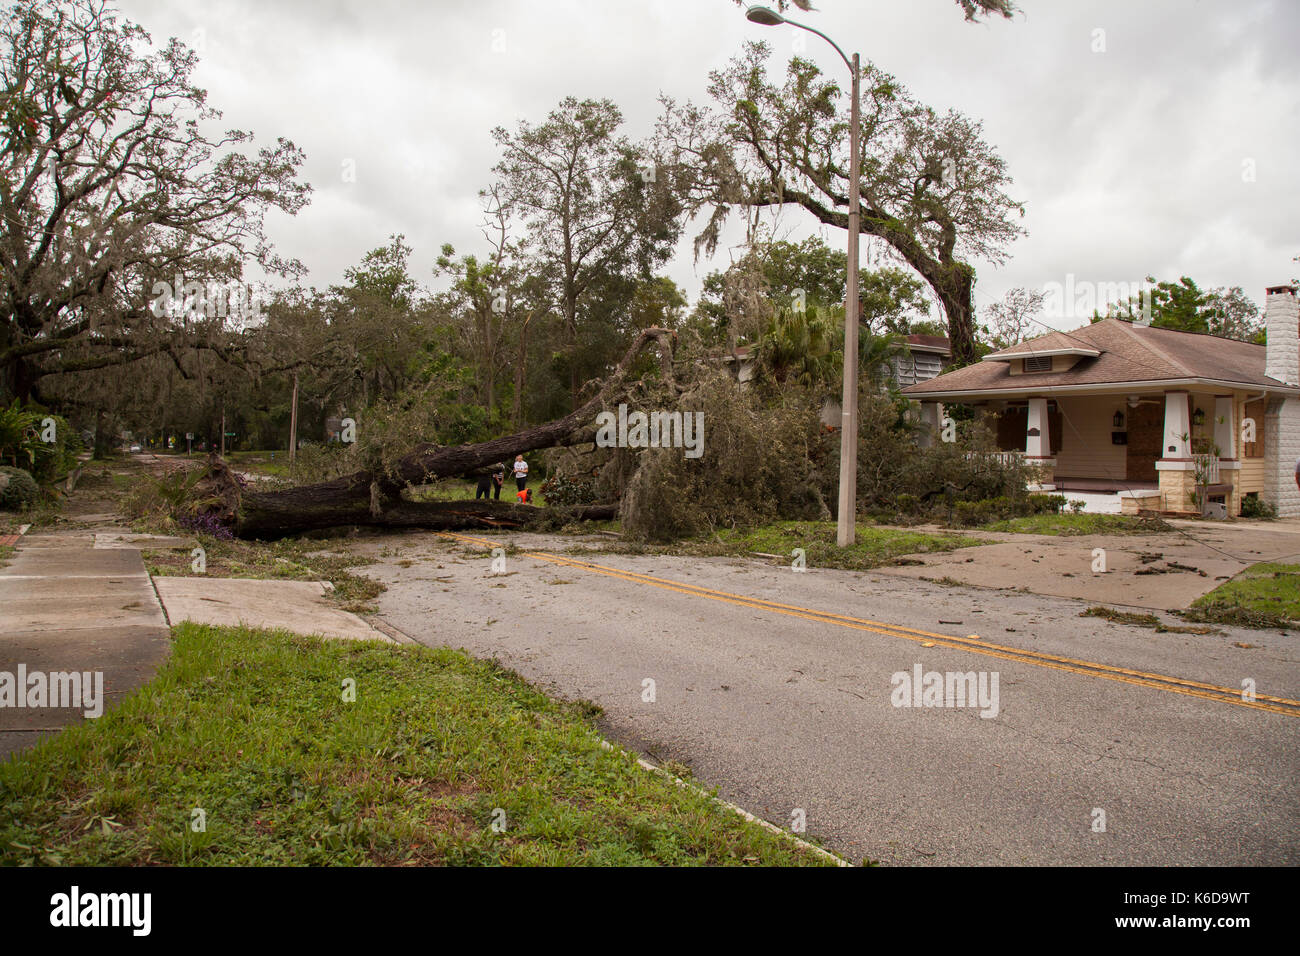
783, 709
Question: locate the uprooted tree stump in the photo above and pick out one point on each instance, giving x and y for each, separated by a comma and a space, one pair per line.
375, 498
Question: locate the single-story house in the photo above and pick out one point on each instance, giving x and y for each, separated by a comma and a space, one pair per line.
1164, 420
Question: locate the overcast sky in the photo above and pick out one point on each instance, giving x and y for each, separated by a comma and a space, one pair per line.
1171, 150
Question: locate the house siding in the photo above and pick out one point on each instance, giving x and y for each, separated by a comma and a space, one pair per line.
1086, 448
1252, 466
1252, 475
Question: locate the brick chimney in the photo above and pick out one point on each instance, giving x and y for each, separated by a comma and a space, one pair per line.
1282, 321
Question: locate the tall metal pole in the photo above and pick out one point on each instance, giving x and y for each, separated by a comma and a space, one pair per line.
846, 532
293, 421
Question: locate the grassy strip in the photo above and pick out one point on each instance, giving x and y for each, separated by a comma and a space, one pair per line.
288, 559
259, 462
250, 727
1079, 524
1142, 620
1265, 595
874, 545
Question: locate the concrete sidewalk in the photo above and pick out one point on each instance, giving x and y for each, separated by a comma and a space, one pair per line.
66, 606
297, 606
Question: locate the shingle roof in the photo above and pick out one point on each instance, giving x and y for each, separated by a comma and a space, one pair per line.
930, 342
1129, 353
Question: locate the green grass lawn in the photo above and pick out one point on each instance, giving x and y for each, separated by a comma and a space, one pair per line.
1076, 524
874, 546
457, 489
251, 728
1264, 595
261, 462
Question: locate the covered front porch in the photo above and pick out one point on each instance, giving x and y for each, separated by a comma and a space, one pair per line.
1175, 451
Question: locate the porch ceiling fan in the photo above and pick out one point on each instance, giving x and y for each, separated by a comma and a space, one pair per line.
1135, 400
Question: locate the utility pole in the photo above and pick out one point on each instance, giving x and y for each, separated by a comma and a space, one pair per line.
846, 531
293, 420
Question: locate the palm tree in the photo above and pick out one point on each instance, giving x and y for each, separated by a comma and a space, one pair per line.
806, 346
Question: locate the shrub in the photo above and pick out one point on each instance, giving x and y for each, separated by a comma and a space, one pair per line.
1045, 505
206, 523
985, 510
166, 496
22, 444
889, 458
759, 463
565, 489
1253, 506
20, 492
968, 513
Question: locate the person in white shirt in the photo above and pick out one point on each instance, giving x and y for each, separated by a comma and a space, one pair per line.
521, 472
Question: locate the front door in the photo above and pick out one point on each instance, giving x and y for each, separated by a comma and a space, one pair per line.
1146, 430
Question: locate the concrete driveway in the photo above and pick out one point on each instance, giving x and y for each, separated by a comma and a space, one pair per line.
734, 669
1164, 571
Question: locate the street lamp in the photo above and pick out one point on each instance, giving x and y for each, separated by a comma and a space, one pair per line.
846, 531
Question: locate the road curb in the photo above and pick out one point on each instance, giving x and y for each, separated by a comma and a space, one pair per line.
687, 785
403, 638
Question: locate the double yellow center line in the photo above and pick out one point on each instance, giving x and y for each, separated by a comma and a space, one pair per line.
1173, 685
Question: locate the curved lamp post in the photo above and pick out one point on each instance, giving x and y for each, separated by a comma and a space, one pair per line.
846, 531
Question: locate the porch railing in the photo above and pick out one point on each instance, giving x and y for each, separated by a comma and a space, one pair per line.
1003, 458
1207, 469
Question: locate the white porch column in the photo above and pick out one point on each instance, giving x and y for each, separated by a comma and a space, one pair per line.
1038, 447
931, 418
1178, 427
1175, 465
1225, 429
1038, 440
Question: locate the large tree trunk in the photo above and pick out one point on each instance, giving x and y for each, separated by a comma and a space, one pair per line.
314, 510
955, 290
372, 498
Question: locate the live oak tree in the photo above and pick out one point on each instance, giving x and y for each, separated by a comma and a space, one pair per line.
114, 177
593, 208
931, 187
380, 322
493, 300
1013, 320
373, 495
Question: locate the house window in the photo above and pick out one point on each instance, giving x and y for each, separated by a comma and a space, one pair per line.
1038, 363
927, 366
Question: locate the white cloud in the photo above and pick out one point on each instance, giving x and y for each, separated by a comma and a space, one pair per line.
1130, 160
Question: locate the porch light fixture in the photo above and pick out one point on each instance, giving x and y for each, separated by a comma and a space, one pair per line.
1118, 420
1198, 417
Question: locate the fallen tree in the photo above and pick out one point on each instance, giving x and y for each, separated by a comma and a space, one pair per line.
374, 496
